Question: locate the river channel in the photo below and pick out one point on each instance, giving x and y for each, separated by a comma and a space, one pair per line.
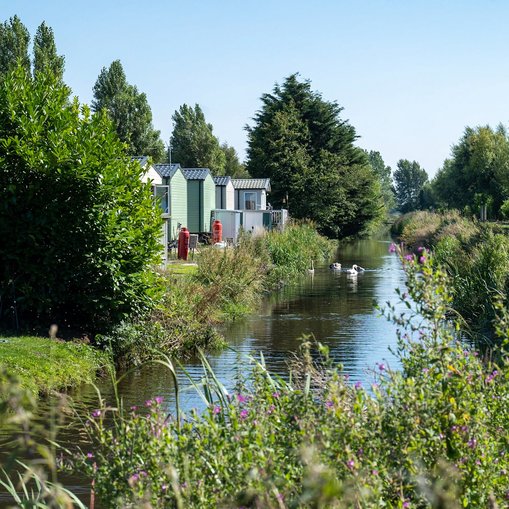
338, 309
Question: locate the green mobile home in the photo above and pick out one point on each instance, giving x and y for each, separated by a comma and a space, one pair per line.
171, 175
201, 198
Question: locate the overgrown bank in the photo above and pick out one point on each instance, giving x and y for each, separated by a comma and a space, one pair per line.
475, 255
227, 284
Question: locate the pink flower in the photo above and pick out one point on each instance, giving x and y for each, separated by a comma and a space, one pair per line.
392, 248
158, 399
243, 414
90, 455
381, 367
358, 385
241, 398
422, 259
148, 402
350, 464
96, 413
409, 258
216, 410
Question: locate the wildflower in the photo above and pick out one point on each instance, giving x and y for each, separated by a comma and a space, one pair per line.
275, 395
392, 248
329, 404
422, 259
90, 455
148, 402
241, 398
472, 443
374, 472
358, 385
350, 464
96, 413
406, 504
133, 479
420, 249
216, 410
381, 367
243, 414
158, 400
425, 370
271, 409
134, 408
409, 257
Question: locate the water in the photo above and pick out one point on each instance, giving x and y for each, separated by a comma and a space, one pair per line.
338, 309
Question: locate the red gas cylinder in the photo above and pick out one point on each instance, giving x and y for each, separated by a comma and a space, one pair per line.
217, 231
183, 244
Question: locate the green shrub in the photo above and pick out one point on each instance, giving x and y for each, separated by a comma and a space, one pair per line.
81, 225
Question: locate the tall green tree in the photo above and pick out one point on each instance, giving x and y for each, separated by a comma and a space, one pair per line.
14, 45
233, 167
477, 173
384, 174
129, 110
409, 178
79, 227
46, 57
193, 143
302, 144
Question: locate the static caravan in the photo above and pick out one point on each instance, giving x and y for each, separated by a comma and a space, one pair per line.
251, 194
172, 176
256, 220
201, 198
225, 193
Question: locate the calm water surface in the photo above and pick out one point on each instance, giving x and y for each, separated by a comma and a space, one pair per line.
338, 309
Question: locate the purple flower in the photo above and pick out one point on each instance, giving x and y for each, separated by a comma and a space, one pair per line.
381, 367
472, 443
133, 479
243, 414
148, 402
275, 395
420, 249
350, 464
422, 259
241, 398
134, 408
374, 472
216, 410
158, 400
89, 455
409, 258
358, 385
329, 404
406, 504
392, 248
96, 413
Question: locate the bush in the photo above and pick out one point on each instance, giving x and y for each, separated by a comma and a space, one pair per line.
82, 227
431, 433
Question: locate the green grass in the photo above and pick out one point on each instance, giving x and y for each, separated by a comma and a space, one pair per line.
186, 268
43, 364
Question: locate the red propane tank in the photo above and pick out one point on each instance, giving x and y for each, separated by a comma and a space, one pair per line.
183, 244
217, 231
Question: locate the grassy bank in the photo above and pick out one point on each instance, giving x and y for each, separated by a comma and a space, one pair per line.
225, 285
475, 255
43, 365
426, 436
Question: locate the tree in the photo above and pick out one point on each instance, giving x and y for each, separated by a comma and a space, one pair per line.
14, 41
45, 53
233, 167
409, 178
300, 142
193, 143
477, 174
384, 175
129, 110
79, 226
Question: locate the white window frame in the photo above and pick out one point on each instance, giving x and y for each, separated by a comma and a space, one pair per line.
253, 200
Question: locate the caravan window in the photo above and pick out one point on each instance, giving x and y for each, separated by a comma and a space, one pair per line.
249, 201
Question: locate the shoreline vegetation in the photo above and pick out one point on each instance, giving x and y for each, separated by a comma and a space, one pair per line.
475, 256
225, 285
427, 435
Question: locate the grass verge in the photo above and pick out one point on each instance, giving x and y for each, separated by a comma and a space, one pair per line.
43, 365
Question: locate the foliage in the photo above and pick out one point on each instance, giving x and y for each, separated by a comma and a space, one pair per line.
82, 227
14, 41
44, 365
299, 141
129, 111
233, 167
46, 58
477, 172
410, 179
193, 144
384, 174
428, 435
477, 260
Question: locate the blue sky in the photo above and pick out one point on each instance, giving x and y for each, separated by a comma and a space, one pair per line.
409, 74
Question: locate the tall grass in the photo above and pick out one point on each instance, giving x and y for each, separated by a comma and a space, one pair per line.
428, 436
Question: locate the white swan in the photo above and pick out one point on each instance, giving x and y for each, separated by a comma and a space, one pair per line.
312, 269
355, 269
335, 266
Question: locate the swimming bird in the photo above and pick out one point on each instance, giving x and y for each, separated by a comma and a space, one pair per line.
335, 266
312, 269
355, 269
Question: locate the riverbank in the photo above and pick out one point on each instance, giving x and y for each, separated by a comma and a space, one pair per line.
44, 365
475, 256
